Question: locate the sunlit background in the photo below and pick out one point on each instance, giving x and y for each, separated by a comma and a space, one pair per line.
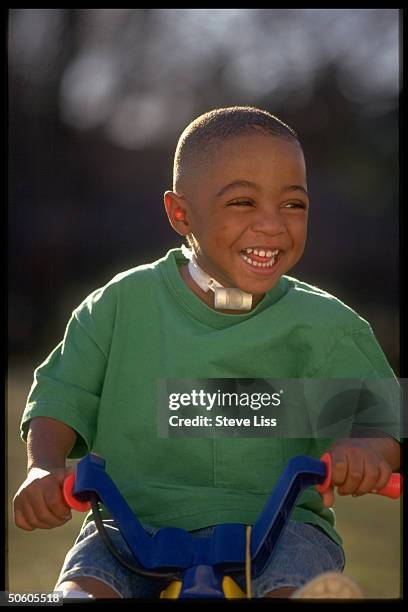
97, 100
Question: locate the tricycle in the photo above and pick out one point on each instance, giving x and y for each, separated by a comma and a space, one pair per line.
204, 567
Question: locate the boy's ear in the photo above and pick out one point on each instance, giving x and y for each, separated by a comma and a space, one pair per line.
176, 212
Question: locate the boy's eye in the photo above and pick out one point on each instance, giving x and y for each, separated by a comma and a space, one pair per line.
295, 205
240, 203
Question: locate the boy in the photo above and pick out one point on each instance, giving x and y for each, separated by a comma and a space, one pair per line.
222, 309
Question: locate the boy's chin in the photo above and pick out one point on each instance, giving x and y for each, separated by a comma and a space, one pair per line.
259, 289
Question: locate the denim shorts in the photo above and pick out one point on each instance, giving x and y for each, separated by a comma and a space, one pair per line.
303, 552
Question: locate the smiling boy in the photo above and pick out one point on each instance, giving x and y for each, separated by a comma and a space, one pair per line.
245, 215
223, 308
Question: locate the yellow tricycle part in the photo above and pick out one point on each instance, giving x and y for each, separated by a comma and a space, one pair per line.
230, 588
172, 591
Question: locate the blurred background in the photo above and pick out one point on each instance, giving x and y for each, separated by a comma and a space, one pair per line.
97, 101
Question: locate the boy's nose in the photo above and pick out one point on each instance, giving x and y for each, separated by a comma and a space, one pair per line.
270, 222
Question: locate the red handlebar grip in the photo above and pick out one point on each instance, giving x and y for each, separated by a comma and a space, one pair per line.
393, 488
69, 497
322, 488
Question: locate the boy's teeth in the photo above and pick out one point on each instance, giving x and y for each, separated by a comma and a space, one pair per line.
262, 253
256, 264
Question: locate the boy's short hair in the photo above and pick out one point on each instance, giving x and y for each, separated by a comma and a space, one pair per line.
202, 136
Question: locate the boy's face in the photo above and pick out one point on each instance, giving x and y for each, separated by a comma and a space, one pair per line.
249, 202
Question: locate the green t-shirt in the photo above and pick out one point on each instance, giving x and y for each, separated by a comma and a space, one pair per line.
146, 325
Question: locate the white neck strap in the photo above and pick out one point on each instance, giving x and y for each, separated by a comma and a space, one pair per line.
225, 298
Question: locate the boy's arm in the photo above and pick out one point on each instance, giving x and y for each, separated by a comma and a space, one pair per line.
49, 443
389, 448
362, 465
39, 502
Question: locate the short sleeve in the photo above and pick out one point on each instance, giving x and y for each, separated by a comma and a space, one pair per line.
355, 390
68, 384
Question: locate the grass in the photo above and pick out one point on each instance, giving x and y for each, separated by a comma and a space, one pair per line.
370, 525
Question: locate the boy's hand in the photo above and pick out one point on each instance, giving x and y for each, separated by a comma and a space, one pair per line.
39, 501
357, 468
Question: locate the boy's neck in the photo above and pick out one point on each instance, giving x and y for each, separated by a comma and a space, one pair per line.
208, 298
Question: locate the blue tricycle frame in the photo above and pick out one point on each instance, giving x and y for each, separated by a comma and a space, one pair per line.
205, 566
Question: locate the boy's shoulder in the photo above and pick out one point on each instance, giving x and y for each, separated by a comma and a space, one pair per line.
319, 305
143, 272
304, 289
135, 281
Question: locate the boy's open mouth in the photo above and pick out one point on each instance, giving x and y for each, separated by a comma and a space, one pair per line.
261, 259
